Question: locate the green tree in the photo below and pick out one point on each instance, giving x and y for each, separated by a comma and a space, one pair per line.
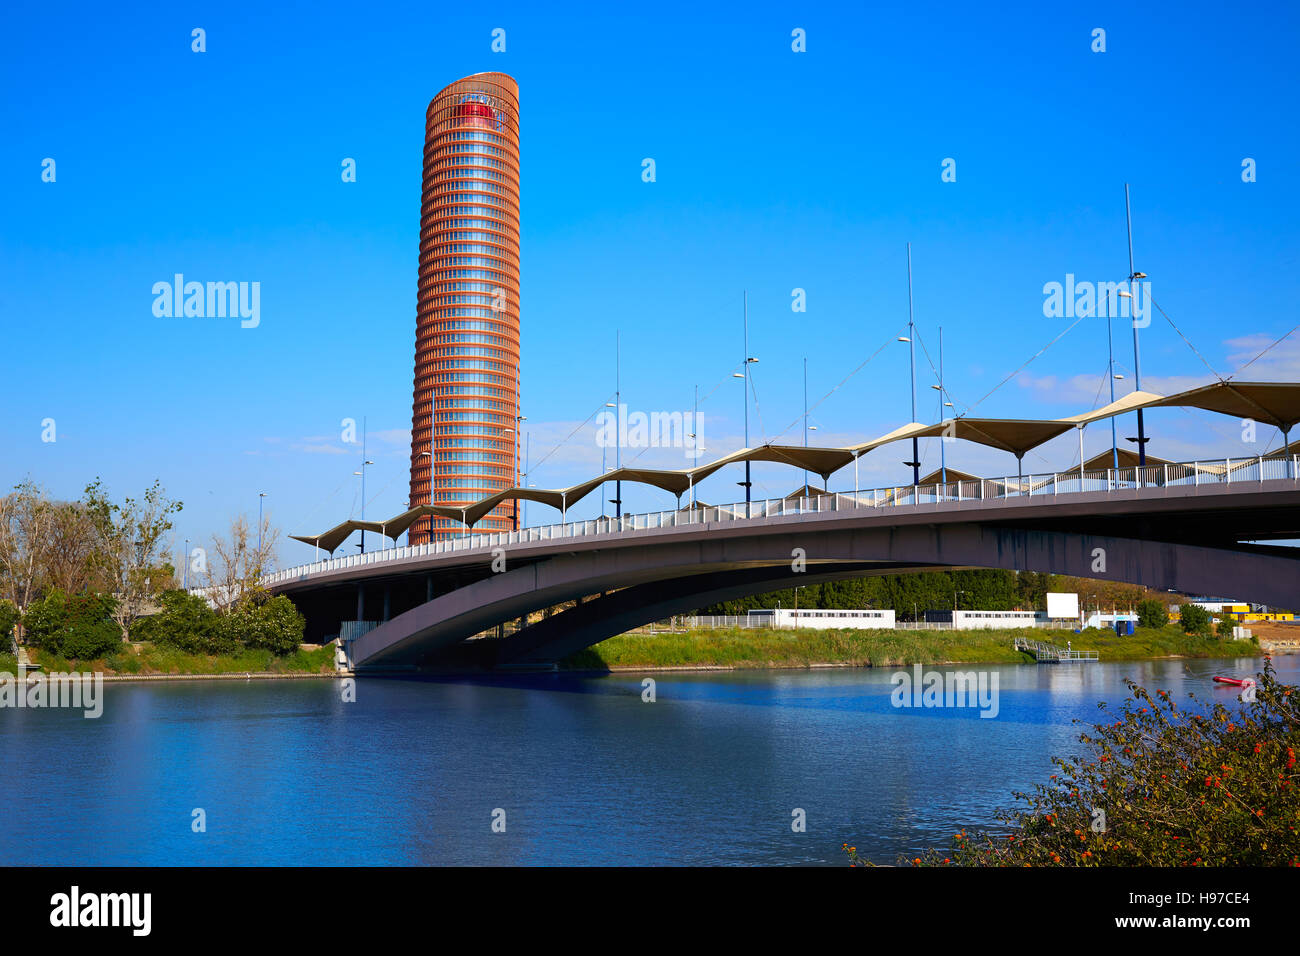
187, 622
1152, 613
272, 624
1194, 619
79, 626
1224, 628
9, 618
131, 542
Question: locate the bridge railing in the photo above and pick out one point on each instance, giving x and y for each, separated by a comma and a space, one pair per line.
1110, 481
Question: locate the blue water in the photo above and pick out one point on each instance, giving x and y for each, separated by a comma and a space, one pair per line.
586, 772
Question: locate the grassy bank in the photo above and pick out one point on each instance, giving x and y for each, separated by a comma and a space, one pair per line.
764, 647
151, 660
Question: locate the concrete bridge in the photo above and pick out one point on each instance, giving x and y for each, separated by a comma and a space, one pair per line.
1199, 527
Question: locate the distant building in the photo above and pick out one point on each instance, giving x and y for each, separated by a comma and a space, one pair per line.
822, 619
1106, 620
972, 620
465, 406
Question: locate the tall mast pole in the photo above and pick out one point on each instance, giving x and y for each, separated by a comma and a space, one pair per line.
1137, 355
943, 458
363, 480
1110, 374
618, 414
911, 351
805, 417
745, 311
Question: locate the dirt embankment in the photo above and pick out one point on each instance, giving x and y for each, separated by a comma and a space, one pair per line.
1276, 637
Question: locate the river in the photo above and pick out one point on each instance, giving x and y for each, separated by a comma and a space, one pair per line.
584, 770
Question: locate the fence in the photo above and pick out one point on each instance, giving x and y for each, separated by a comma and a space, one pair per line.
1219, 472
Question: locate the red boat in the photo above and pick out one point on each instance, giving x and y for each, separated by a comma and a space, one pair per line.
1236, 682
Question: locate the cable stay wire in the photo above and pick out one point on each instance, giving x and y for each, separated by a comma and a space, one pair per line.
703, 399
841, 384
1261, 354
1194, 349
1026, 363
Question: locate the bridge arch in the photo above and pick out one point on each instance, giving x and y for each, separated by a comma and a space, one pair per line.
663, 574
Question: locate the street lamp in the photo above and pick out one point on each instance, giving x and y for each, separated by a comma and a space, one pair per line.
748, 360
362, 475
911, 351
514, 511
618, 434
1134, 275
604, 466
185, 575
411, 504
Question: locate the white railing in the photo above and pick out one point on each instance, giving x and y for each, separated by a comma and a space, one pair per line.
1219, 472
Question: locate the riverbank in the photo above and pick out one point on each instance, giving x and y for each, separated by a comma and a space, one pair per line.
760, 648
152, 662
692, 650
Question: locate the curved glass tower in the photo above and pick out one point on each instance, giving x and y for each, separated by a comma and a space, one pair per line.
465, 413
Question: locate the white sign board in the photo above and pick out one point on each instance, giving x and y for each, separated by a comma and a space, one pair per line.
1062, 606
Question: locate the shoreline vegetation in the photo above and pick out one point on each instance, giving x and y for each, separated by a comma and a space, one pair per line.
763, 648
150, 661
694, 649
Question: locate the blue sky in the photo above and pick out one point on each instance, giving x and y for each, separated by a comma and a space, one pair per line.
775, 170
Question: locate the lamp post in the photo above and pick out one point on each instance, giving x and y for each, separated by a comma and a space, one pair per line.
747, 483
805, 421
604, 467
411, 504
910, 339
185, 575
362, 475
618, 425
1110, 374
1134, 275
514, 510
527, 447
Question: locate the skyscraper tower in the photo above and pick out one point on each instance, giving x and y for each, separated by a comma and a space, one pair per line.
465, 413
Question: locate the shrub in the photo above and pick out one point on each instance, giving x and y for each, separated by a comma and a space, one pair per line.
187, 623
1194, 619
76, 626
274, 625
1152, 613
1224, 628
1162, 787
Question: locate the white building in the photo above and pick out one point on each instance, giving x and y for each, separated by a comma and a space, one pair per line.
974, 620
788, 618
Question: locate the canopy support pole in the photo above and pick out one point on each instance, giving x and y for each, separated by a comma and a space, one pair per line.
563, 505
1081, 458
